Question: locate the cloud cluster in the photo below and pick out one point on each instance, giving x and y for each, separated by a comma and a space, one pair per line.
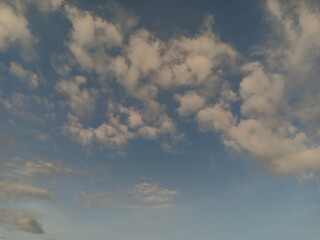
136, 61
277, 122
128, 76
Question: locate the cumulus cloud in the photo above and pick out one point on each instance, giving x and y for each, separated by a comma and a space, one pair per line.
190, 103
14, 29
142, 64
91, 38
278, 122
215, 118
154, 195
20, 220
24, 75
122, 125
81, 99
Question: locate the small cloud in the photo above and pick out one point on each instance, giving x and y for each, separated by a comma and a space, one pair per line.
92, 199
20, 220
153, 195
24, 75
42, 167
307, 176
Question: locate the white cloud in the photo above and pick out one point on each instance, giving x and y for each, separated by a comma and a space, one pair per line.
15, 190
122, 125
20, 220
81, 99
278, 120
41, 167
14, 29
194, 61
214, 118
24, 75
154, 195
111, 134
260, 93
190, 103
91, 38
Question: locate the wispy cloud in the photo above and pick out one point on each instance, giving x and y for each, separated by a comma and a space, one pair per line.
154, 195
92, 198
42, 167
11, 190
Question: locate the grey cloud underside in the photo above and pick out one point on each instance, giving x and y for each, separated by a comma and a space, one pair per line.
20, 220
278, 120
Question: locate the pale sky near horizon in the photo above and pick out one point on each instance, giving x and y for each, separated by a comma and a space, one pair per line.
153, 120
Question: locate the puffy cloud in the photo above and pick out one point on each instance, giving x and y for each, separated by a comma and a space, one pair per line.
142, 57
15, 190
81, 99
190, 103
154, 195
20, 220
278, 120
141, 64
122, 125
14, 29
111, 134
214, 118
24, 75
195, 61
260, 93
91, 39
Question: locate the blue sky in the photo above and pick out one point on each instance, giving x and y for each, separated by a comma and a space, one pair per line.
155, 120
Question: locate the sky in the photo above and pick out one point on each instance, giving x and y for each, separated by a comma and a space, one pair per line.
153, 120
